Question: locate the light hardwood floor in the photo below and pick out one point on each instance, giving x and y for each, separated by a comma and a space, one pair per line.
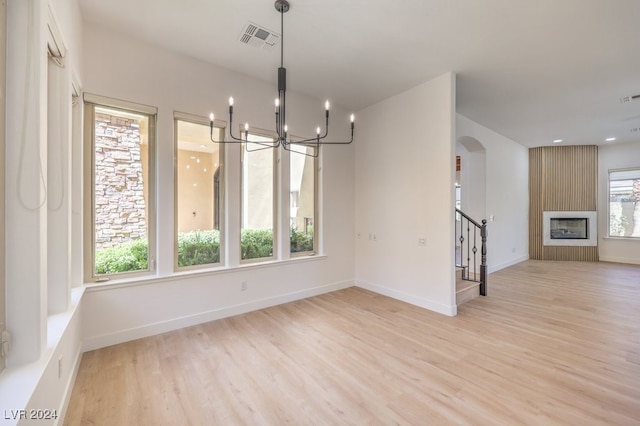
553, 343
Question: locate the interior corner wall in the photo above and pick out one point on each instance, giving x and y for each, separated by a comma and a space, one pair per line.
561, 178
507, 196
615, 157
405, 169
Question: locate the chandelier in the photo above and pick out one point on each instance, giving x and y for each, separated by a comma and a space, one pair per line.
281, 129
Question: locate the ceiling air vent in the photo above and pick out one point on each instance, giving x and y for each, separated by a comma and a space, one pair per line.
260, 37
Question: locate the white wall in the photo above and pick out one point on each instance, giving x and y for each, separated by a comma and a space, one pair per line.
610, 157
507, 192
404, 192
45, 346
121, 68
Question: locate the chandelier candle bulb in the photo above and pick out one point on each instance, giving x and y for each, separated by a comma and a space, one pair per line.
326, 105
318, 130
246, 127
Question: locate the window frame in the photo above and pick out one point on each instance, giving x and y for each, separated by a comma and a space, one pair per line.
222, 125
92, 101
316, 175
276, 193
609, 180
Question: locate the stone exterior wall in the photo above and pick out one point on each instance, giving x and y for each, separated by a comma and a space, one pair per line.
119, 181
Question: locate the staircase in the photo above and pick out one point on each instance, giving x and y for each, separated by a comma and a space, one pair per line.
465, 290
471, 258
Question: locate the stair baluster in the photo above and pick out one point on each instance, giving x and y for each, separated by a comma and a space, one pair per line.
474, 230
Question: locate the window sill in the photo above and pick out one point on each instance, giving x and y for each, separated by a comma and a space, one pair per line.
636, 239
19, 382
152, 279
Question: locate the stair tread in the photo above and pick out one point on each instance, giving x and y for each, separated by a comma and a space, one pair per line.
466, 291
463, 285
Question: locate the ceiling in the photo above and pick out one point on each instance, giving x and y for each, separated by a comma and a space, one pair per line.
533, 71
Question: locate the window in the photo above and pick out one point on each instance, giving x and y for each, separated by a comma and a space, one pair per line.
624, 203
121, 139
199, 182
303, 177
258, 198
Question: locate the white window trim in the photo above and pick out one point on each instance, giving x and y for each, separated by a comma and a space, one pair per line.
192, 118
608, 233
276, 197
316, 187
91, 101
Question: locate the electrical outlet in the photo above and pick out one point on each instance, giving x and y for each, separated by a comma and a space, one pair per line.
243, 286
422, 241
374, 237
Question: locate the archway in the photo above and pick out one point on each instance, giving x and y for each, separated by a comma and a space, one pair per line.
471, 178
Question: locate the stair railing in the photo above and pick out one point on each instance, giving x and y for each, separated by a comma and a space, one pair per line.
470, 233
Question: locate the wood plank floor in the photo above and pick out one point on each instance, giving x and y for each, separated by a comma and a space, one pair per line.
553, 343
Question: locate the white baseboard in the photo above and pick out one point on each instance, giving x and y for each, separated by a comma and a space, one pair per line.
629, 260
64, 404
496, 268
414, 300
121, 336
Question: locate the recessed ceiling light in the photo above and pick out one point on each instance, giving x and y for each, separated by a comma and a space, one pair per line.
610, 139
557, 140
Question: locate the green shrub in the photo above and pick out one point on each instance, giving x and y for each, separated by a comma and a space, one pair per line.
198, 248
301, 241
256, 243
125, 257
194, 248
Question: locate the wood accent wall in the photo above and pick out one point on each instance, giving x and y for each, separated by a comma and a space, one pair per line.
561, 178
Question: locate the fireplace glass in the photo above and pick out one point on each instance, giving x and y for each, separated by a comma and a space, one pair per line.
570, 228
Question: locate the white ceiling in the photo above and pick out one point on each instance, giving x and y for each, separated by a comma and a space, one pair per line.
533, 70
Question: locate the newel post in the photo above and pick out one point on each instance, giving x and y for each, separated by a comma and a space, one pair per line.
483, 264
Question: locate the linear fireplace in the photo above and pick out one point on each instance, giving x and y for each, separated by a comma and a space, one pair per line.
570, 228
